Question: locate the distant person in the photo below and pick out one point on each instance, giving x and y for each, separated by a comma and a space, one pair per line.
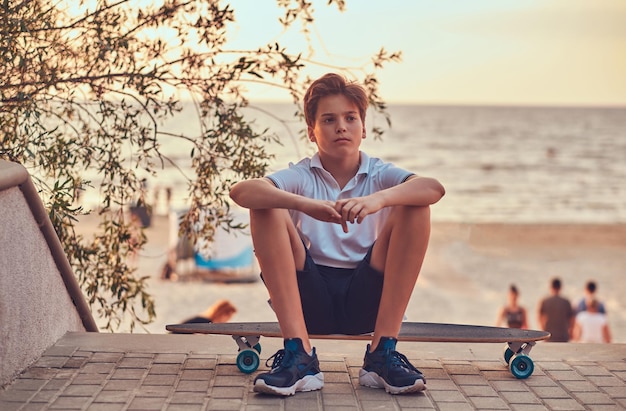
590, 294
512, 314
591, 326
556, 314
168, 198
168, 272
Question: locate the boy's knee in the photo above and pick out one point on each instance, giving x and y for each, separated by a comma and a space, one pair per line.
271, 221
411, 219
412, 214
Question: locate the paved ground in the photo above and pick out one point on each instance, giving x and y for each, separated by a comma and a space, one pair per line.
193, 372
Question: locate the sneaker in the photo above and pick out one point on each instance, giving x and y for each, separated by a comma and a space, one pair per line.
387, 368
292, 370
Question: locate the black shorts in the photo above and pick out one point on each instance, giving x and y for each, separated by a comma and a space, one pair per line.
340, 300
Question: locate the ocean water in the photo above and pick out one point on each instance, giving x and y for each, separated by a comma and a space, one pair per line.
516, 164
498, 164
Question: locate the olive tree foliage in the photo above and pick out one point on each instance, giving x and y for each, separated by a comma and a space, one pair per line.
85, 87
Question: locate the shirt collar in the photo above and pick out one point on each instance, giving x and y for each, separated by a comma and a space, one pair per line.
363, 168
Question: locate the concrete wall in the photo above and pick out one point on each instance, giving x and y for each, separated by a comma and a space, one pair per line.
38, 302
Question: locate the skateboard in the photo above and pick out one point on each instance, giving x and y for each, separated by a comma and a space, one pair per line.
247, 335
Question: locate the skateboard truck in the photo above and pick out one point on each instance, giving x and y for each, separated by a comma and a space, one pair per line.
246, 343
249, 349
521, 347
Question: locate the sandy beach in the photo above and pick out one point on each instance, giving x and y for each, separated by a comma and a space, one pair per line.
467, 271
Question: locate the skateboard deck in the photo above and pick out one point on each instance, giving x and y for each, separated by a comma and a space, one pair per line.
247, 335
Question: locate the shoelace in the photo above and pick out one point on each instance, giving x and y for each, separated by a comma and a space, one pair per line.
281, 359
396, 359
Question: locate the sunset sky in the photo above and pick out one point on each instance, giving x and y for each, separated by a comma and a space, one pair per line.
521, 52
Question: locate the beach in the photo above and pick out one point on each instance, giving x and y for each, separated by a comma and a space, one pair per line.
464, 279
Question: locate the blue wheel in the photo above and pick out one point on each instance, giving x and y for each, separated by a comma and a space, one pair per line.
508, 354
521, 366
248, 361
257, 347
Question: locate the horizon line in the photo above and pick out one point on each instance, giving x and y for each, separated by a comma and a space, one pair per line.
616, 106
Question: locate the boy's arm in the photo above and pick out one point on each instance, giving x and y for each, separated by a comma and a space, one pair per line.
415, 191
261, 193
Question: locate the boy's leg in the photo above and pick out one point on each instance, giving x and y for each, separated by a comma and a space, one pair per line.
280, 253
399, 253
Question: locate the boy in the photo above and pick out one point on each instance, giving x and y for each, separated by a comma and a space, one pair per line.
340, 239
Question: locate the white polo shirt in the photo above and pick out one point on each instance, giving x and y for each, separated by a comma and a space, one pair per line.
327, 243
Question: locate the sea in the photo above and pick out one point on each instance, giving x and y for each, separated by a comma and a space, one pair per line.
497, 163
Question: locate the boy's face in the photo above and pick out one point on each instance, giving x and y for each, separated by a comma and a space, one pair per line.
338, 129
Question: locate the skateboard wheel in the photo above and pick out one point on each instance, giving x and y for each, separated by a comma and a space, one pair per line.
521, 366
248, 361
508, 354
257, 348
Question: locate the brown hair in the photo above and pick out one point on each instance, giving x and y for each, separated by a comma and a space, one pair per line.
332, 84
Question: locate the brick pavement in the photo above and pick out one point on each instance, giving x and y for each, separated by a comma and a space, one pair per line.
167, 372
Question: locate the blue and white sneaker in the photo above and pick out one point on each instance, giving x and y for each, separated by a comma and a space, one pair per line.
292, 370
387, 368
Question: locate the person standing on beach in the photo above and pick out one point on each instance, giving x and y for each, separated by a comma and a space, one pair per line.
512, 314
591, 326
556, 314
590, 294
340, 238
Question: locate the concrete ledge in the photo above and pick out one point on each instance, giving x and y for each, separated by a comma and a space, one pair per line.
40, 299
15, 175
11, 175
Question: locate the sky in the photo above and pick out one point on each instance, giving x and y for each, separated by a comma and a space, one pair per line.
488, 52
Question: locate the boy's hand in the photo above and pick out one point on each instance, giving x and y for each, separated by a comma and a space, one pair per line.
323, 211
356, 209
